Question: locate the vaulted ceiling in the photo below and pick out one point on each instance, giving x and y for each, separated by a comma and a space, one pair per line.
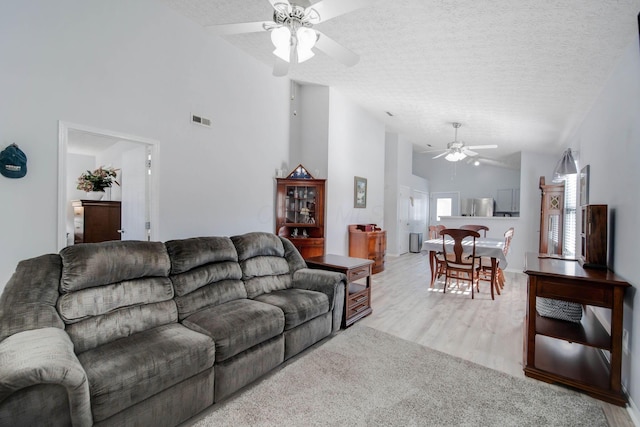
519, 74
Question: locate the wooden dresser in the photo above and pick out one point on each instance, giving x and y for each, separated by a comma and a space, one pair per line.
96, 221
369, 242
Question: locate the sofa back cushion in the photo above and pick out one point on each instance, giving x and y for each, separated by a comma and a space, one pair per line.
111, 290
29, 298
205, 272
262, 260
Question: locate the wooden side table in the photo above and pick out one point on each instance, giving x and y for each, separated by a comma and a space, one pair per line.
357, 296
558, 351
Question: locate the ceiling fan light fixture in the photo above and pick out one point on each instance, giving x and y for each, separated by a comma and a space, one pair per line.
455, 156
281, 39
306, 39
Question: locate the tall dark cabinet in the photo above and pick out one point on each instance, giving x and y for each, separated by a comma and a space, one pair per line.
96, 221
593, 236
551, 218
300, 211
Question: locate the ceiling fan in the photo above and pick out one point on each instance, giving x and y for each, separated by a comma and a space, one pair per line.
457, 150
292, 31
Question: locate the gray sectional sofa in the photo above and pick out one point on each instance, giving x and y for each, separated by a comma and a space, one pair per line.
151, 333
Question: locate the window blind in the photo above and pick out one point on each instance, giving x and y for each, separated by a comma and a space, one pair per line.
570, 205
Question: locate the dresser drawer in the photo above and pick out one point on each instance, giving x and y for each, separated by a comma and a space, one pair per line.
357, 298
358, 273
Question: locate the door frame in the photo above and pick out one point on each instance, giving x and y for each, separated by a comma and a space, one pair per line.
153, 189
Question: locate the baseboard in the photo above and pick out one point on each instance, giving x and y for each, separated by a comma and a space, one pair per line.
634, 414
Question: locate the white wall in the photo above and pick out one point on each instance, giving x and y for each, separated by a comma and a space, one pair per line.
137, 68
609, 141
313, 118
398, 172
356, 148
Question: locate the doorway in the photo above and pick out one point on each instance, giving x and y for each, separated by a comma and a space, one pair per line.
443, 204
82, 147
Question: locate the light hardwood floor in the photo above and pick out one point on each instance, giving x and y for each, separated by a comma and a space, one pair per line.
483, 331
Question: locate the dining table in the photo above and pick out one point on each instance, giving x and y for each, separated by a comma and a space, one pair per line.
485, 247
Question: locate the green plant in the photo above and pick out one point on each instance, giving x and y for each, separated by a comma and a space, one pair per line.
97, 180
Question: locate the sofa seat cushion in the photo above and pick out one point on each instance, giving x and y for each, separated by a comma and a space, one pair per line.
129, 370
237, 325
298, 305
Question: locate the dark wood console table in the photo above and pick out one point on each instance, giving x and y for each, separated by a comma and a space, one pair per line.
357, 296
557, 351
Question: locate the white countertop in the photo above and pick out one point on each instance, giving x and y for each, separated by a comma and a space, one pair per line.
482, 218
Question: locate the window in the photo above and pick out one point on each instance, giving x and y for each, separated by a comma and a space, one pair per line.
443, 207
570, 202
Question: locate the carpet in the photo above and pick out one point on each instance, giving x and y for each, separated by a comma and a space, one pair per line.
364, 377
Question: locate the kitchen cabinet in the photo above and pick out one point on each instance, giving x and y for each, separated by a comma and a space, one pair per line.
508, 201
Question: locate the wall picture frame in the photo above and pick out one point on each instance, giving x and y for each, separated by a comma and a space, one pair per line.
359, 192
584, 186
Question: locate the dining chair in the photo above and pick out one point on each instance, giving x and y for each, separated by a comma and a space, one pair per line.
485, 270
477, 228
508, 235
434, 233
460, 261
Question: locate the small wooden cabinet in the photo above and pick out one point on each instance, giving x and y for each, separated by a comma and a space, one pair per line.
593, 236
300, 211
557, 351
96, 221
369, 242
357, 294
551, 218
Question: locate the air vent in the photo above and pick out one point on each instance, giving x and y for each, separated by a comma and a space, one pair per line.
199, 120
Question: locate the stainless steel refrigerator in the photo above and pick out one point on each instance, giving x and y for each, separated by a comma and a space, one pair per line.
476, 207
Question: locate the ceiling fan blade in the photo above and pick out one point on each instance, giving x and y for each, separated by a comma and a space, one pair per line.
440, 155
240, 28
275, 2
328, 9
280, 67
482, 147
469, 152
336, 50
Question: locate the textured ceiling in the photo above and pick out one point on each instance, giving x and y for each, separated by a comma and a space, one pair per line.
520, 74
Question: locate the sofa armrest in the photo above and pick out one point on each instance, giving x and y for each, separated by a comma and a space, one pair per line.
45, 356
327, 282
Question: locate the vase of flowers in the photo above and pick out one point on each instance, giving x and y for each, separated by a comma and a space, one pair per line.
94, 183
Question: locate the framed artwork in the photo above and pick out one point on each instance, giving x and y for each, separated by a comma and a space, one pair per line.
359, 192
584, 186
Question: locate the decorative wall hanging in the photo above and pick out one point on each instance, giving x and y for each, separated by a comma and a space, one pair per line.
584, 186
13, 162
359, 192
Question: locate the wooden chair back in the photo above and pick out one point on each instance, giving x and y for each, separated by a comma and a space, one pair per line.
477, 228
460, 261
458, 257
508, 235
434, 231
